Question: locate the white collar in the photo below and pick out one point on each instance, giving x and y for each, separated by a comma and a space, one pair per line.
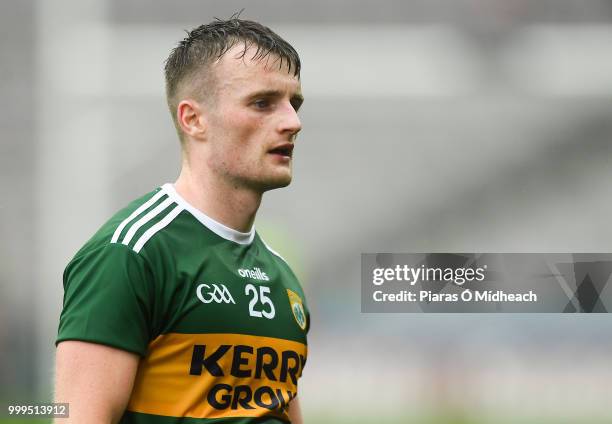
214, 226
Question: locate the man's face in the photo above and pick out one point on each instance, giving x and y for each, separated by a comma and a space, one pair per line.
252, 121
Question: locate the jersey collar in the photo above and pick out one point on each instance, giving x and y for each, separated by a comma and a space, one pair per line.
214, 226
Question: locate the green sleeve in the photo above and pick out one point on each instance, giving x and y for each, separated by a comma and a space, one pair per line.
108, 299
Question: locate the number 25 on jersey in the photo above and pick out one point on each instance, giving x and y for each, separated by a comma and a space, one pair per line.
259, 300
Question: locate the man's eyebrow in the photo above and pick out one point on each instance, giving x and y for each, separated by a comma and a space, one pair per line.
297, 100
275, 93
266, 93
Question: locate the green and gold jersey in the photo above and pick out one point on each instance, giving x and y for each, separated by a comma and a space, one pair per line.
219, 319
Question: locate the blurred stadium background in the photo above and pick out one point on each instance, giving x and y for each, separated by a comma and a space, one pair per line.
429, 126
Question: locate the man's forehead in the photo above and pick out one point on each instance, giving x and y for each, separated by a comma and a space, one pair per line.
243, 61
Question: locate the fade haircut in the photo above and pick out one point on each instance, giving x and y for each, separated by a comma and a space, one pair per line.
189, 62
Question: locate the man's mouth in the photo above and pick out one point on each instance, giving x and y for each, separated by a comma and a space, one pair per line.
285, 150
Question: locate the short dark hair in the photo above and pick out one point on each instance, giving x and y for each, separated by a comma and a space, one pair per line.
208, 43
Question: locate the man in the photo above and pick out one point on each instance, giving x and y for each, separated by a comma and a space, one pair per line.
176, 310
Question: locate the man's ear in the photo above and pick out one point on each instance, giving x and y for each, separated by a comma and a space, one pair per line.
189, 115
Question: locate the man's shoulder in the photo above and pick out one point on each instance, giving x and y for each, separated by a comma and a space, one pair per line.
272, 254
274, 257
127, 225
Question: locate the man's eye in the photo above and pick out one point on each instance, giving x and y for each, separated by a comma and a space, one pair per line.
261, 104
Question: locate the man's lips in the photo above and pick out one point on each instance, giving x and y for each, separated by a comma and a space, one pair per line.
285, 149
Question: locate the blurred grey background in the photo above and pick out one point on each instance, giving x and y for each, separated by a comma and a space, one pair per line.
429, 126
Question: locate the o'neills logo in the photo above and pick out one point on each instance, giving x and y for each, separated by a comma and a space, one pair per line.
271, 376
255, 273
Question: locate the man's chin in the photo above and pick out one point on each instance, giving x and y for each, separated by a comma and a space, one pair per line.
279, 181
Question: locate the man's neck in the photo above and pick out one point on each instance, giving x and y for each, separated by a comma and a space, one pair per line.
231, 206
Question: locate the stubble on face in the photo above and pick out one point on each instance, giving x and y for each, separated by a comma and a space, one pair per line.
253, 111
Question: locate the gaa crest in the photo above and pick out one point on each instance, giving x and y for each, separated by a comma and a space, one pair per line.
297, 308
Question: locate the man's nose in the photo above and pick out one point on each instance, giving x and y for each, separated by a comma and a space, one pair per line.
290, 121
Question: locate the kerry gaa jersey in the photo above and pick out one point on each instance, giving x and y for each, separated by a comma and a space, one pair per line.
219, 319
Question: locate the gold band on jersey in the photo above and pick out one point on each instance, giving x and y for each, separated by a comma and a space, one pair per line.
218, 376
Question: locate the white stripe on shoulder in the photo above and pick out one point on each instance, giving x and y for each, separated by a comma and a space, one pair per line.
274, 251
134, 214
155, 228
142, 221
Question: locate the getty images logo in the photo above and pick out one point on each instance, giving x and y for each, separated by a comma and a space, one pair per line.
255, 273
